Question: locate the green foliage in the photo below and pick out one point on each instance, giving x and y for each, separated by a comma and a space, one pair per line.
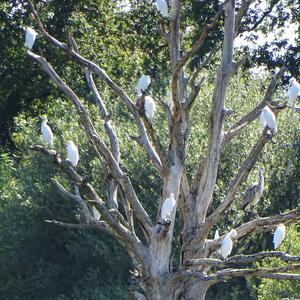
277, 289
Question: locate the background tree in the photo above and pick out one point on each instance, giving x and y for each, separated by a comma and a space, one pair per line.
173, 112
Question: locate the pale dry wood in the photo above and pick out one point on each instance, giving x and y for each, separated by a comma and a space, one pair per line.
241, 259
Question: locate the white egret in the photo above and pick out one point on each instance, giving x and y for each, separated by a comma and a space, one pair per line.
267, 118
96, 213
254, 192
168, 207
217, 235
162, 7
227, 244
150, 107
293, 91
30, 37
143, 84
279, 235
72, 153
46, 131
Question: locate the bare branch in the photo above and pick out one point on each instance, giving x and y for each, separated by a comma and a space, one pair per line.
85, 212
242, 12
116, 89
199, 43
98, 225
118, 174
262, 18
240, 177
120, 232
231, 273
237, 128
241, 259
285, 276
210, 167
258, 226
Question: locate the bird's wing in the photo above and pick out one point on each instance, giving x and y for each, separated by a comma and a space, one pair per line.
262, 120
249, 195
271, 120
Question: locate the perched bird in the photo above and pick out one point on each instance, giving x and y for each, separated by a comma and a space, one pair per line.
279, 235
72, 153
162, 7
217, 235
143, 84
150, 107
96, 213
46, 131
293, 91
30, 37
267, 118
227, 244
168, 207
254, 192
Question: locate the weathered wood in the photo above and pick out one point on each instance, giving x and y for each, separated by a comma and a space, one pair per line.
152, 257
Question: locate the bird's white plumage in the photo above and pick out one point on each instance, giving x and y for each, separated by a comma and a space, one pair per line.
168, 207
46, 132
72, 153
217, 235
279, 235
226, 246
163, 7
96, 213
143, 84
267, 118
30, 37
293, 91
150, 107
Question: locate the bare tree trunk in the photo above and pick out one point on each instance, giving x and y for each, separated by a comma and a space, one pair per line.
151, 253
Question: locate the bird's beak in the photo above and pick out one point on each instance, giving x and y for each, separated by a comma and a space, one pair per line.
40, 118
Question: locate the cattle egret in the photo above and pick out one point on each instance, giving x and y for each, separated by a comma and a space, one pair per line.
293, 91
254, 192
162, 7
143, 84
72, 153
168, 207
217, 235
227, 244
46, 131
30, 37
279, 235
150, 107
226, 247
267, 118
96, 213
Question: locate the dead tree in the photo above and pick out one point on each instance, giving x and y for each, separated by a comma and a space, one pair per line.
151, 254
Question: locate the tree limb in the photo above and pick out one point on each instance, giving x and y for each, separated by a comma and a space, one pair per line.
210, 167
231, 273
240, 177
120, 232
122, 178
98, 225
199, 43
116, 89
237, 128
241, 259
